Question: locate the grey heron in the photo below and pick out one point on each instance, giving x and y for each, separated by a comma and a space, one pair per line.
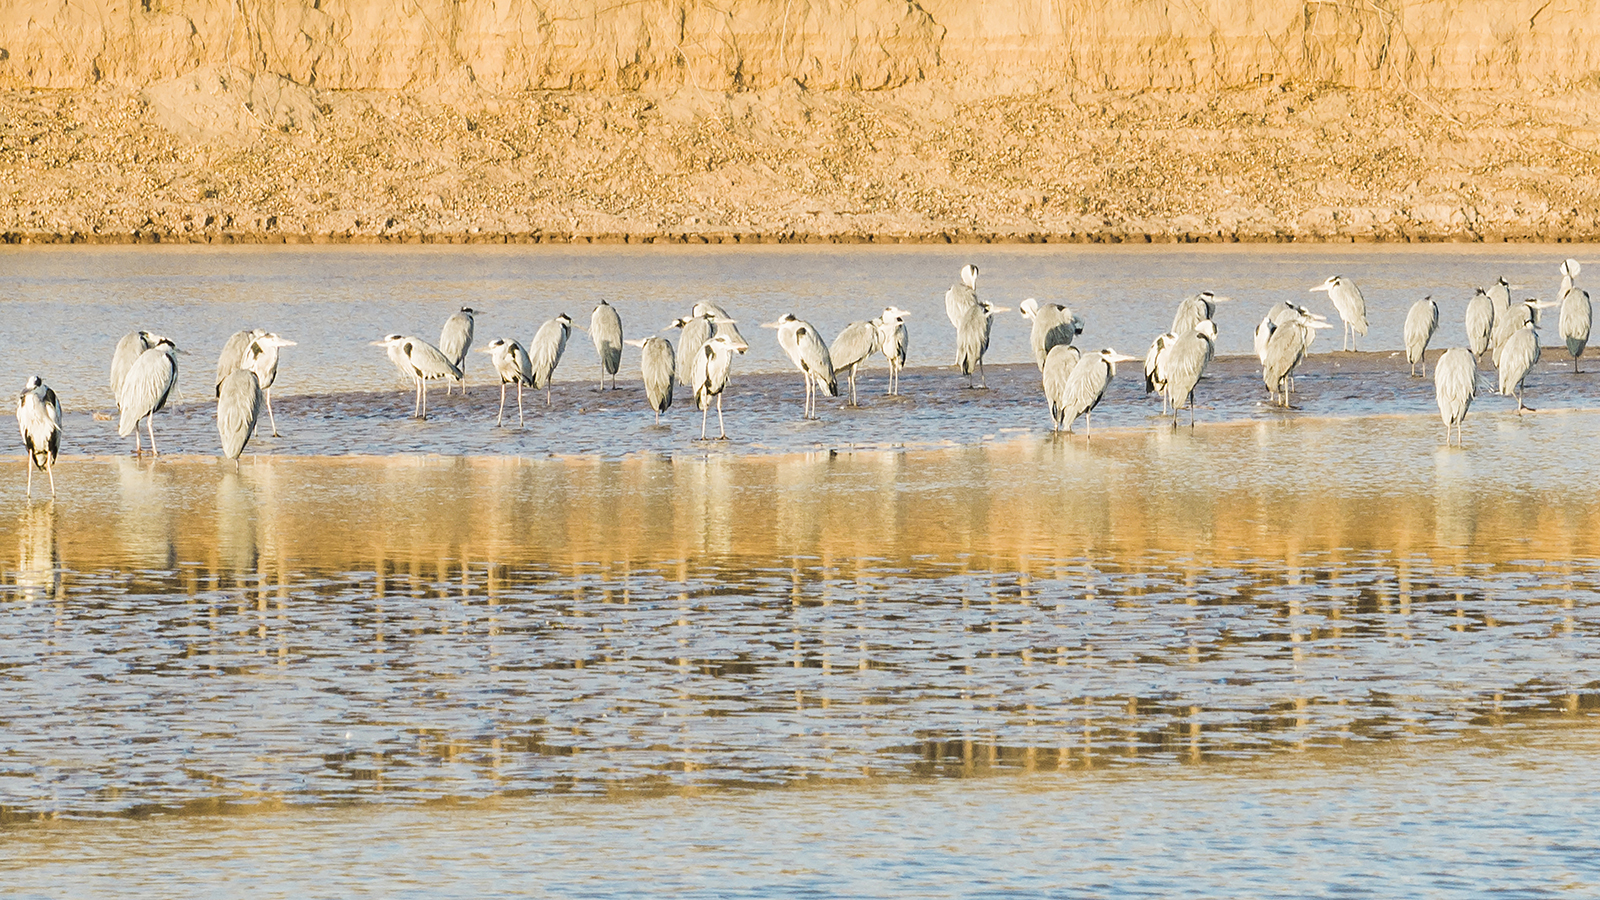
128, 349
261, 357
893, 340
1052, 324
656, 364
511, 363
721, 322
1285, 350
544, 351
804, 347
605, 329
1184, 361
238, 409
1422, 320
1083, 387
234, 350
962, 296
852, 348
972, 340
455, 339
1455, 384
1194, 310
694, 331
39, 420
420, 360
1515, 317
1058, 366
1480, 323
1517, 356
1352, 307
1577, 314
711, 370
1155, 376
145, 389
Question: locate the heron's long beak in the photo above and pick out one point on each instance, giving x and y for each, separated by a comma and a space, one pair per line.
580, 328
777, 324
741, 347
1216, 299
1118, 357
484, 350
383, 343
1320, 287
719, 320
999, 309
1319, 323
1546, 304
634, 342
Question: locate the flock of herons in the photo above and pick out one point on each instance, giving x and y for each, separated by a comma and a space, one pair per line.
144, 368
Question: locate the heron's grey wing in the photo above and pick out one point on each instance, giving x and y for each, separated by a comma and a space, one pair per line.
234, 350
1421, 319
656, 364
1576, 316
544, 354
1184, 363
522, 366
123, 358
815, 359
1351, 305
456, 338
1084, 386
854, 344
958, 302
605, 327
145, 388
1058, 366
238, 407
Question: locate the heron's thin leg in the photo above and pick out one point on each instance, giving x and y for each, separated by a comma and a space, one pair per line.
984, 379
547, 395
724, 432
30, 481
50, 469
520, 419
150, 423
501, 417
853, 386
270, 416
706, 411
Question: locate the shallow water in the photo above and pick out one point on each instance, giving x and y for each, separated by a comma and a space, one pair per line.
792, 662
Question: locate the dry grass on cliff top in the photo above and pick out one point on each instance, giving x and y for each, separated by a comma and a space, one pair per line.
227, 161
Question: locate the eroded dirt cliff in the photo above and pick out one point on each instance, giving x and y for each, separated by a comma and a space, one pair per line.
795, 120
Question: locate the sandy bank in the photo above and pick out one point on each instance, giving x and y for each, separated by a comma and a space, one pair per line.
763, 122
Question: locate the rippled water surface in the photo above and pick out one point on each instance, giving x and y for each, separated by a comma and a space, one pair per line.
919, 648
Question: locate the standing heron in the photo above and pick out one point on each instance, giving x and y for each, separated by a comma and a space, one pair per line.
1194, 310
1082, 389
1455, 384
1058, 366
544, 351
711, 370
261, 357
145, 389
1577, 314
852, 348
1184, 361
1052, 324
605, 329
1351, 305
1285, 350
804, 347
234, 351
1480, 323
128, 350
972, 340
238, 409
510, 362
1155, 376
454, 342
694, 331
422, 362
1517, 356
962, 296
656, 364
893, 340
1516, 317
1421, 322
39, 420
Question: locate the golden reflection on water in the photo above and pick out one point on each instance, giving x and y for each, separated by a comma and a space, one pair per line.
1019, 506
